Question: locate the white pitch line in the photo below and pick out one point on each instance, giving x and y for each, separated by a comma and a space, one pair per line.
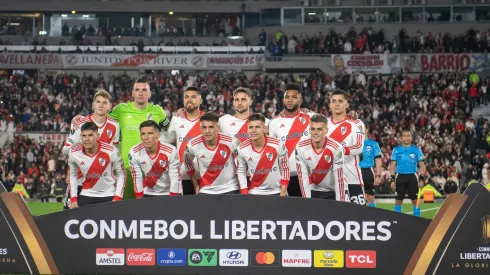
425, 210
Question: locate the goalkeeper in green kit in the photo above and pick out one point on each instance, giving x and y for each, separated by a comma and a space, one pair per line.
130, 115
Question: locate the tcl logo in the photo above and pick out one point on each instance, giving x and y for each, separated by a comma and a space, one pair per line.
3, 251
360, 259
140, 256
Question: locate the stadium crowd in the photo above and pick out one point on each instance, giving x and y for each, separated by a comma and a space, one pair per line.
437, 107
369, 40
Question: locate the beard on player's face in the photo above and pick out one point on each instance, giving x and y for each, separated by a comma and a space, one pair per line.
293, 108
191, 108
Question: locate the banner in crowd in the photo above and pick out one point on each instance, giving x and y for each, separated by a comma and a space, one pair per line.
130, 61
367, 63
464, 62
240, 234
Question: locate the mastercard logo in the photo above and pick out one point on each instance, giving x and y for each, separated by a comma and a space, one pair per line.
266, 258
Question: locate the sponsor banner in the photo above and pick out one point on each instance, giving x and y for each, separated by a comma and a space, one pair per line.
109, 256
30, 61
465, 62
125, 238
367, 63
171, 257
162, 61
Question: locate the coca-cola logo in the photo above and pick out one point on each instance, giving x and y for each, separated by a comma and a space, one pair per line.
140, 256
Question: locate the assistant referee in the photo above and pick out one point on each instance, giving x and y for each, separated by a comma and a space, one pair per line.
404, 160
371, 157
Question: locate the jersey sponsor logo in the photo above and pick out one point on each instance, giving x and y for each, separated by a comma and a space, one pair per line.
265, 258
296, 258
132, 128
328, 258
263, 171
140, 257
109, 256
171, 257
233, 257
242, 133
360, 259
322, 168
95, 171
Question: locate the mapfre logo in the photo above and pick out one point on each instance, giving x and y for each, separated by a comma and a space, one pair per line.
360, 259
140, 257
296, 258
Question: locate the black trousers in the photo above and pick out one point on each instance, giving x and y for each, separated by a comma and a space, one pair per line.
329, 195
85, 200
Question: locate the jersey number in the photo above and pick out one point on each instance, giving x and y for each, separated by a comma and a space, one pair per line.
359, 199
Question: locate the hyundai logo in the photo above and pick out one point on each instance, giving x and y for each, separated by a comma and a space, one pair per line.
233, 255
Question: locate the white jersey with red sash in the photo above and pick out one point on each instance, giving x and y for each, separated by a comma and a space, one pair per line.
268, 168
183, 130
236, 127
216, 165
157, 175
98, 179
290, 131
322, 170
108, 131
350, 135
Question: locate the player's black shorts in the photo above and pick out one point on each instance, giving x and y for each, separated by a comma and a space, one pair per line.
368, 179
356, 194
234, 192
188, 187
67, 198
330, 195
85, 200
149, 196
294, 189
406, 184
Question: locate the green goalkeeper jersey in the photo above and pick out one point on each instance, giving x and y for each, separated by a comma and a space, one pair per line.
130, 118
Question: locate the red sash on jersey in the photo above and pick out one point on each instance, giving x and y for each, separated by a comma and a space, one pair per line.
156, 171
218, 160
243, 130
341, 132
193, 132
108, 133
297, 127
324, 164
94, 173
264, 163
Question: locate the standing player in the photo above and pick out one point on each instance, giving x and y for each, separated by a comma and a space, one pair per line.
404, 160
183, 128
214, 153
97, 162
371, 157
130, 115
349, 133
291, 127
319, 163
265, 159
108, 128
154, 165
237, 125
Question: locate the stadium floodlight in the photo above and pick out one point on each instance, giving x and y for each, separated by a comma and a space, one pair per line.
170, 12
73, 12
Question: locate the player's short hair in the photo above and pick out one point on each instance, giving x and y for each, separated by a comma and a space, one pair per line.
103, 93
150, 123
256, 117
210, 116
242, 90
89, 126
193, 88
292, 87
318, 118
406, 130
340, 92
141, 80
